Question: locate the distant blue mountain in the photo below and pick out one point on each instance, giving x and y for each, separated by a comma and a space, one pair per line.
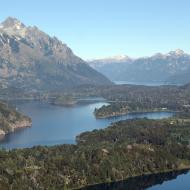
172, 68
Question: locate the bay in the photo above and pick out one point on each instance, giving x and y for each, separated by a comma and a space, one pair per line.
52, 125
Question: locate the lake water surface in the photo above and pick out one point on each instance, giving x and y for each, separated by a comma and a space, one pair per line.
164, 181
140, 83
53, 125
57, 125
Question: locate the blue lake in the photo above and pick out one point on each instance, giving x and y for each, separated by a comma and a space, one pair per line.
53, 125
182, 182
140, 83
57, 125
164, 181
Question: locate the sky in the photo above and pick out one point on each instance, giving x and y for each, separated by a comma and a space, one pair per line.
102, 28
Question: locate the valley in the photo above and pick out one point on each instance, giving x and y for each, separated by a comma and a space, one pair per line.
65, 123
113, 147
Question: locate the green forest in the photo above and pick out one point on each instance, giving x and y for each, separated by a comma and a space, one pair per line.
124, 149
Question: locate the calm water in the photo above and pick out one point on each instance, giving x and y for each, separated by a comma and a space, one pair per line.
181, 182
57, 125
140, 83
164, 181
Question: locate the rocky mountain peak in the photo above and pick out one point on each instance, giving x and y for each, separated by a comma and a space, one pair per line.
177, 52
11, 22
31, 59
13, 27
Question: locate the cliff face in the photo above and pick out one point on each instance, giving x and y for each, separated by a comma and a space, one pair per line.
11, 120
21, 124
31, 59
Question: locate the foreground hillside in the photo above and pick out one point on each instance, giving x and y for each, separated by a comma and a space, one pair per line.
11, 120
31, 59
125, 149
170, 68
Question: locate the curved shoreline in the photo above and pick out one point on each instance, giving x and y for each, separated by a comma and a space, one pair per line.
134, 112
185, 169
16, 126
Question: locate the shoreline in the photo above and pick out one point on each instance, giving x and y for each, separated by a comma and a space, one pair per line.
134, 112
26, 123
131, 177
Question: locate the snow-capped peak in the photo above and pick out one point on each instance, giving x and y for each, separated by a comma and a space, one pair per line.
177, 52
117, 58
11, 22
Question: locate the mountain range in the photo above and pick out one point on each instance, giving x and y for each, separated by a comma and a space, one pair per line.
31, 59
170, 68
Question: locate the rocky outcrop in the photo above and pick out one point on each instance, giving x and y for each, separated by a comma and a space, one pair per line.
2, 133
21, 124
11, 120
15, 126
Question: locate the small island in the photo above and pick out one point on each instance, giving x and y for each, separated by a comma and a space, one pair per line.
64, 100
11, 120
